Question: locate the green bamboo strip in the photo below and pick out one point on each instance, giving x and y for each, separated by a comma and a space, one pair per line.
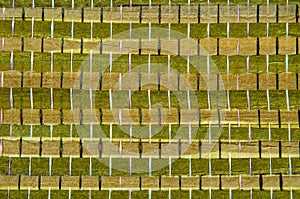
139, 99
97, 194
81, 166
161, 132
61, 63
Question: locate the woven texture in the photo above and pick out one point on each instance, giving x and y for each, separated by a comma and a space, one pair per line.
132, 130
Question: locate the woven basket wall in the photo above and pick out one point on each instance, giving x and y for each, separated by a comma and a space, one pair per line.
129, 139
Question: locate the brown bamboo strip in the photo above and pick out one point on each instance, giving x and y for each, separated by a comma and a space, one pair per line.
126, 149
149, 81
126, 182
227, 46
231, 13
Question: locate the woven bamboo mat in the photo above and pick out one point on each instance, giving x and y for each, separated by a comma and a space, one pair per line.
149, 99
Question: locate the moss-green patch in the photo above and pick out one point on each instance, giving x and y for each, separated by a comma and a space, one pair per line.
160, 194
101, 30
280, 165
61, 99
294, 63
60, 166
238, 100
80, 166
41, 99
238, 64
5, 28
220, 166
218, 30
102, 99
277, 100
140, 194
277, 29
260, 166
258, 30
219, 194
38, 194
282, 194
40, 166
277, 63
63, 30
42, 28
40, 131
240, 166
61, 61
4, 3
220, 62
17, 194
19, 166
5, 98
160, 167
78, 194
3, 165
82, 30
239, 133
100, 194
20, 131
100, 166
258, 64
180, 194
64, 194
119, 194
199, 30
200, 166
296, 164
180, 167
278, 134
4, 130
5, 61
23, 28
200, 194
260, 194
260, 134
258, 100
201, 133
294, 29
240, 193
159, 99
139, 100
238, 30
294, 100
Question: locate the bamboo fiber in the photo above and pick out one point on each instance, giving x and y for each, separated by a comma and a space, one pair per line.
149, 99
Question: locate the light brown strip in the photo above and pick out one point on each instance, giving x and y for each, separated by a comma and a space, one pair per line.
246, 81
233, 149
125, 183
227, 46
169, 14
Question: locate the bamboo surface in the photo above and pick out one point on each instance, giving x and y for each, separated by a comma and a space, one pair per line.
211, 112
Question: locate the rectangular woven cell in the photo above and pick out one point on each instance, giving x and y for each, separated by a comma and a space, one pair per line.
149, 99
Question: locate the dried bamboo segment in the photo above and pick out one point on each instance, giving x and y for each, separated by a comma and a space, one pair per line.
169, 13
125, 183
153, 116
116, 149
149, 81
227, 46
